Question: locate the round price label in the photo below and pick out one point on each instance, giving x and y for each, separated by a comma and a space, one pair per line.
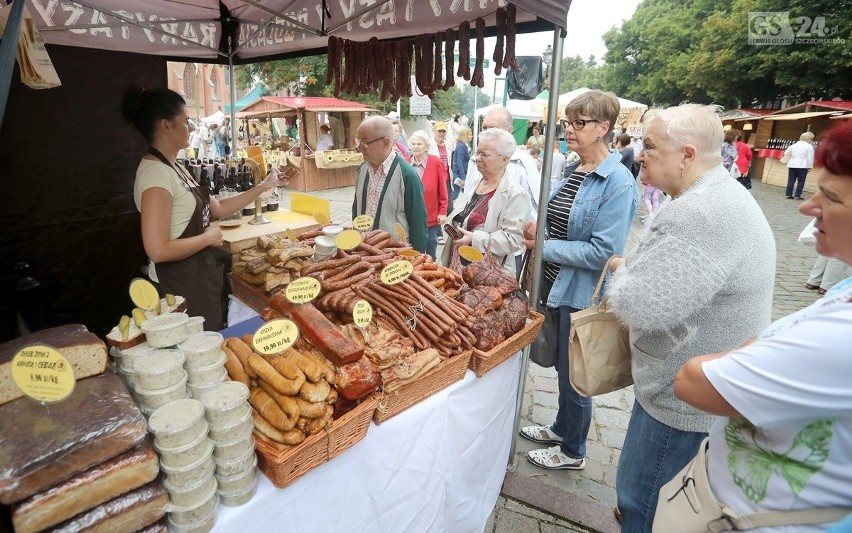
362, 314
275, 336
144, 294
348, 239
470, 253
408, 253
302, 290
321, 218
397, 272
290, 234
43, 374
400, 232
363, 223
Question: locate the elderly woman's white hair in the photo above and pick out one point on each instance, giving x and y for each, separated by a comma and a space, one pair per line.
695, 124
506, 144
420, 134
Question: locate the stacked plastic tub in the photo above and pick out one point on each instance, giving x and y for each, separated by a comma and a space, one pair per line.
186, 457
229, 416
205, 361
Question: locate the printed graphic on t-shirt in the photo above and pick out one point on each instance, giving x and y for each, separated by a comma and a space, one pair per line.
751, 465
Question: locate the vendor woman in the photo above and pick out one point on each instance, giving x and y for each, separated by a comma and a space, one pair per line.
176, 210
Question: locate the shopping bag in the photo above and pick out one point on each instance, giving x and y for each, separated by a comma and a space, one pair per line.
36, 68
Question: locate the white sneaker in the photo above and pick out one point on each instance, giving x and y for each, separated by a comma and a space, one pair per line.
442, 240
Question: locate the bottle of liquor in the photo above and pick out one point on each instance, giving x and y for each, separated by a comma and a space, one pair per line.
204, 179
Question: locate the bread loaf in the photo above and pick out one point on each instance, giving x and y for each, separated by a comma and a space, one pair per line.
124, 514
88, 489
157, 527
83, 349
41, 446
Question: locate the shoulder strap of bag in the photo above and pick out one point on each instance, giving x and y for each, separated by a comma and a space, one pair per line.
597, 293
778, 518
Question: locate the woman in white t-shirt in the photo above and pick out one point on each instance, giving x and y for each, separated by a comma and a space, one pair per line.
176, 210
784, 439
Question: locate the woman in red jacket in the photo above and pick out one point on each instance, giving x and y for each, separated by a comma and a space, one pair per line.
433, 174
743, 156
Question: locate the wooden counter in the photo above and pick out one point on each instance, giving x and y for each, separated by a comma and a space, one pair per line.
245, 235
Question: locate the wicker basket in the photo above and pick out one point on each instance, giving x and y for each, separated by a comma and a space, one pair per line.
482, 362
285, 467
440, 377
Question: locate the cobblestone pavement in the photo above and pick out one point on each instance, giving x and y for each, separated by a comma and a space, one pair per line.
591, 492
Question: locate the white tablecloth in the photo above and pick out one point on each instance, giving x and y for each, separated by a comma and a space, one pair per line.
436, 467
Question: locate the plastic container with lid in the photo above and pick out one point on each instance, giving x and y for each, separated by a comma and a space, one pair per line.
165, 330
190, 494
195, 324
187, 454
125, 357
202, 349
239, 497
199, 390
152, 399
235, 448
238, 481
224, 433
159, 370
230, 467
210, 373
189, 474
203, 525
226, 403
184, 515
177, 423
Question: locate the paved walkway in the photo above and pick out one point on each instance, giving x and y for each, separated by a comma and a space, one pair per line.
535, 500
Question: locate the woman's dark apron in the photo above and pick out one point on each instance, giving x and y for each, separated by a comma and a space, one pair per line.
198, 278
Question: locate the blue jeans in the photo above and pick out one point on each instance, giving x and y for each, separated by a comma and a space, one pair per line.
575, 411
432, 233
653, 453
793, 175
456, 191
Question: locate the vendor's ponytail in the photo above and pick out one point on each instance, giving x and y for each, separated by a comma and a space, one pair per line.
144, 107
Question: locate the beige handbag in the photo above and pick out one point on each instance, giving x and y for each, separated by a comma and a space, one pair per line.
786, 157
598, 348
687, 505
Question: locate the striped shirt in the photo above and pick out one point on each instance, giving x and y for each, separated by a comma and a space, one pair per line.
558, 211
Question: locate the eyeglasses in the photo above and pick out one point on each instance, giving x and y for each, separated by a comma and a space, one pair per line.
579, 123
361, 145
482, 154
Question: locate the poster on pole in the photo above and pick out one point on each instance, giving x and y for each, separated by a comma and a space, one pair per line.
419, 104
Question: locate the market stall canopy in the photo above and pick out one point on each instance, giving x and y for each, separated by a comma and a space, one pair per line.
797, 116
216, 118
279, 106
200, 29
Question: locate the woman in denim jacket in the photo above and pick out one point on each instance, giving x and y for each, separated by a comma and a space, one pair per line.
588, 220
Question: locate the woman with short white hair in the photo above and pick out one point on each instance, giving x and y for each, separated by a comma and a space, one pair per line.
699, 281
496, 210
800, 163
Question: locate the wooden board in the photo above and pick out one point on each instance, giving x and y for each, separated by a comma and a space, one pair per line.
245, 235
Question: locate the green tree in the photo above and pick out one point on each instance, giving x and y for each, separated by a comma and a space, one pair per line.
576, 73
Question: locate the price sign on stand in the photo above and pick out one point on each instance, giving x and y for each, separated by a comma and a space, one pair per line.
400, 232
470, 254
363, 223
290, 234
362, 314
321, 218
276, 336
43, 374
302, 290
144, 294
396, 272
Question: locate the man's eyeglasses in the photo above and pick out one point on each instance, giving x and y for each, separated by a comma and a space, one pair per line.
482, 154
361, 145
579, 123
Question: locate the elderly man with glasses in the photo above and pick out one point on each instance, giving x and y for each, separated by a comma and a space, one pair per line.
386, 187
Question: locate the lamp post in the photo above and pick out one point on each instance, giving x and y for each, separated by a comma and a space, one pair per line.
547, 59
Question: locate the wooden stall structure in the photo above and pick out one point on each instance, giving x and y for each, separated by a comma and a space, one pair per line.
786, 126
310, 112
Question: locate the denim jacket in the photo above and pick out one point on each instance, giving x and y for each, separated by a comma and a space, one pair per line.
598, 225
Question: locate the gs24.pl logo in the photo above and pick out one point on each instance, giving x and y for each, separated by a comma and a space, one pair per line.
778, 28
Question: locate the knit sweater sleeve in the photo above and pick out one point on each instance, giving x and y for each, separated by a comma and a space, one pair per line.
415, 209
671, 278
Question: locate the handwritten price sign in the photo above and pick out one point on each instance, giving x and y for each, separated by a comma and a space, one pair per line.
302, 290
362, 314
276, 336
43, 374
396, 272
363, 223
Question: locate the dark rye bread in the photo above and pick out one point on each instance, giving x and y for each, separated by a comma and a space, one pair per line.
86, 353
125, 514
88, 489
41, 446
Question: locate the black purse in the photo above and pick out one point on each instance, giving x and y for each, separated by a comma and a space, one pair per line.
543, 350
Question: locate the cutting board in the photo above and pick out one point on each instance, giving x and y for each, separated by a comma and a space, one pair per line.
245, 235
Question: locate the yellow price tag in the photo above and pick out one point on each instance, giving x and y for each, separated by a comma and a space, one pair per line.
348, 239
363, 223
302, 290
321, 218
470, 253
43, 374
362, 314
408, 253
397, 272
275, 336
400, 232
144, 294
290, 234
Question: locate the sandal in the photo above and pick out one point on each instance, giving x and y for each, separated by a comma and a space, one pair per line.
554, 459
811, 287
543, 434
821, 291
